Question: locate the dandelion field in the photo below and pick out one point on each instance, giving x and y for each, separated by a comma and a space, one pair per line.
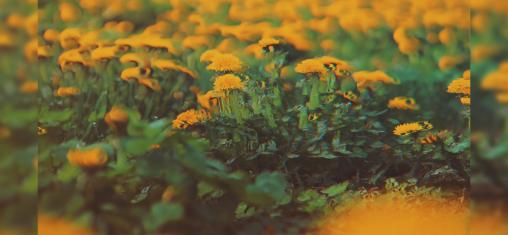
246, 117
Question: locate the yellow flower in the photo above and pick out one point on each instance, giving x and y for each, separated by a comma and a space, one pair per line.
485, 51
165, 64
4, 132
15, 21
460, 86
195, 42
208, 55
404, 103
311, 66
254, 49
158, 43
104, 53
31, 50
67, 91
138, 59
502, 97
327, 45
29, 87
189, 118
135, 73
207, 100
73, 56
447, 62
350, 95
48, 225
228, 82
446, 35
268, 44
87, 157
466, 100
6, 40
225, 63
340, 67
43, 52
168, 194
408, 128
150, 83
68, 12
366, 79
69, 38
115, 116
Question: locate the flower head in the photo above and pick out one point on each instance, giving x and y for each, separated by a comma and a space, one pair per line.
67, 91
116, 115
208, 56
151, 83
136, 58
225, 63
367, 79
135, 73
268, 44
404, 103
87, 157
104, 53
460, 86
207, 100
228, 82
311, 66
189, 118
408, 128
165, 64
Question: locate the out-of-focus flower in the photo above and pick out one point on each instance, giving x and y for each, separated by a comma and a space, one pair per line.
150, 83
449, 61
73, 56
104, 53
67, 91
311, 66
48, 225
366, 79
165, 64
207, 100
404, 103
87, 157
68, 12
117, 115
134, 73
189, 118
29, 87
69, 38
195, 42
208, 55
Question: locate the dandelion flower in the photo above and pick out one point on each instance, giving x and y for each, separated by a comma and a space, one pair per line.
195, 42
225, 63
367, 79
448, 62
67, 91
73, 56
47, 225
87, 157
135, 73
165, 64
268, 44
51, 35
460, 86
208, 56
140, 60
228, 82
466, 100
408, 128
116, 116
29, 87
69, 38
153, 84
207, 100
189, 118
404, 103
311, 66
104, 53
159, 43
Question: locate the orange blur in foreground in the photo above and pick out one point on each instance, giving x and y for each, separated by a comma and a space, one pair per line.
396, 214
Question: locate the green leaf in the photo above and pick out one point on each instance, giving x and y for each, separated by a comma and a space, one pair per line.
268, 188
335, 190
161, 213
